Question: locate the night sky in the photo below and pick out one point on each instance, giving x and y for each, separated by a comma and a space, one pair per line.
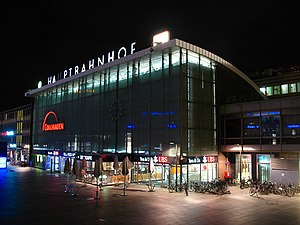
45, 38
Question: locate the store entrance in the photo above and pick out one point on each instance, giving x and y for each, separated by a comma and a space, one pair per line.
263, 172
263, 167
54, 164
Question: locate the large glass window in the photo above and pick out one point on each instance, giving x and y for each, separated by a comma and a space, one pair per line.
251, 127
291, 125
270, 126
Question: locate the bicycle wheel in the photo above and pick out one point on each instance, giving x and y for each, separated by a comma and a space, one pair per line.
252, 191
171, 189
290, 192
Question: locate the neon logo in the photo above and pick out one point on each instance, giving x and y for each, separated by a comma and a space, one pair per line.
53, 126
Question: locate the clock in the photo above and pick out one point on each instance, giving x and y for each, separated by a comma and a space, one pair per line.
116, 109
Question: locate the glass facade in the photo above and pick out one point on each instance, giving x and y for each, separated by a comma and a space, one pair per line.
138, 106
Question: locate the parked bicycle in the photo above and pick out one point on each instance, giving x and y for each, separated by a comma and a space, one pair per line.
245, 183
172, 187
216, 186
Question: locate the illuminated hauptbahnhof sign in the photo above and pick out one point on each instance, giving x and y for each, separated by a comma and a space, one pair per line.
101, 60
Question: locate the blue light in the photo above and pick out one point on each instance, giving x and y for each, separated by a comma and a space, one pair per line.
270, 113
10, 133
158, 113
293, 126
267, 113
252, 126
172, 126
130, 126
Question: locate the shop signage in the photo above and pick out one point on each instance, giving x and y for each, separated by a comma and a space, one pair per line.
144, 159
203, 159
69, 154
156, 159
52, 126
101, 60
53, 152
163, 159
87, 157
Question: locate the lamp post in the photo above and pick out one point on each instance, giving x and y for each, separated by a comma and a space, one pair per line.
176, 169
176, 163
240, 165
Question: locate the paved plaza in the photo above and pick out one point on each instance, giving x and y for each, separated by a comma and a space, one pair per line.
35, 197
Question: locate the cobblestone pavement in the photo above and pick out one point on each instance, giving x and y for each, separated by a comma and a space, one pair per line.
31, 196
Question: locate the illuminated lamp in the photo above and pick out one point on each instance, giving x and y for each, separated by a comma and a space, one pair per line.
161, 38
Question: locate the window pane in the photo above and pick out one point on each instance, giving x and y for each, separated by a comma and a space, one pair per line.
293, 88
284, 89
269, 91
277, 90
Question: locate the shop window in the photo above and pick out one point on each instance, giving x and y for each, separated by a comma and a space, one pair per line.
243, 164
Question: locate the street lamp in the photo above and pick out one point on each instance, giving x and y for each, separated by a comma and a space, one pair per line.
241, 150
240, 165
176, 162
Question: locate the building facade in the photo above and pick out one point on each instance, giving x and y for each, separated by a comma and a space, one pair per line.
15, 131
261, 139
160, 102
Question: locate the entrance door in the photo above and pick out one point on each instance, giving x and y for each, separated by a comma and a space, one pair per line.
263, 167
263, 172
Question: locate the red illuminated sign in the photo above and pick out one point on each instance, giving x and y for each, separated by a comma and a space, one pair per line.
163, 159
211, 159
52, 126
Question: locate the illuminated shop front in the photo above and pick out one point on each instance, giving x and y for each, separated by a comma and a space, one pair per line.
157, 102
204, 168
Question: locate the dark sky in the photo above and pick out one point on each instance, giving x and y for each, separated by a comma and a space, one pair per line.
44, 38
